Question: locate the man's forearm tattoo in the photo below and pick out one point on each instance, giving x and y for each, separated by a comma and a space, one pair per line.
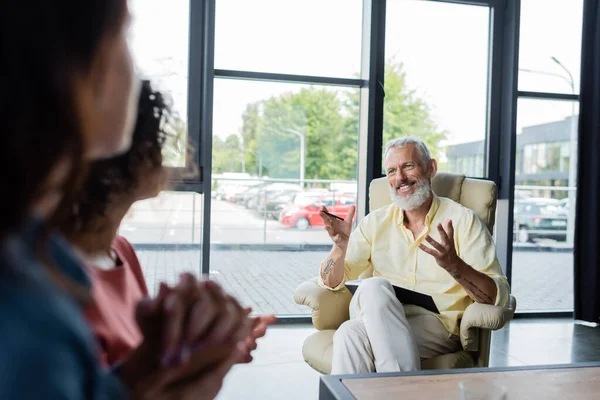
328, 265
479, 295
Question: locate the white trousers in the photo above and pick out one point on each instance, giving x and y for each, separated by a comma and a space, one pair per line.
379, 338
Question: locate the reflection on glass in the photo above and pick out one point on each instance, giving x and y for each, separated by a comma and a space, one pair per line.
550, 45
310, 37
159, 42
436, 80
166, 233
542, 273
280, 151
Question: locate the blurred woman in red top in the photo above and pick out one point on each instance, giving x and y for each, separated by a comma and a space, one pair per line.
110, 189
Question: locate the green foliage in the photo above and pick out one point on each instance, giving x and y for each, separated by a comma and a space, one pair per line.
312, 112
251, 124
405, 113
227, 154
329, 120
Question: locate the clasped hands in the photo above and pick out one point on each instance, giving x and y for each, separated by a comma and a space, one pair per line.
185, 321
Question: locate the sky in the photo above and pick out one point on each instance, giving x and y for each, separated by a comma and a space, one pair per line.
444, 48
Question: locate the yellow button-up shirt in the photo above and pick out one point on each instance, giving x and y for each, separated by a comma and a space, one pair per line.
383, 242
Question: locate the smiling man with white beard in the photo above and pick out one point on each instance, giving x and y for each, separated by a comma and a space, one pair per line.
457, 266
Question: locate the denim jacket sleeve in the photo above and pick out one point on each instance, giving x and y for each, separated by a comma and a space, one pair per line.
46, 348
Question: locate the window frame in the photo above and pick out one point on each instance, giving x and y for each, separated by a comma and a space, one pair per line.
500, 144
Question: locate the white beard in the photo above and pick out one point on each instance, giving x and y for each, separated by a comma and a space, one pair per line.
415, 200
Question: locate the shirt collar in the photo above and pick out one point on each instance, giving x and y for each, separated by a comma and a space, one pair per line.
435, 205
67, 261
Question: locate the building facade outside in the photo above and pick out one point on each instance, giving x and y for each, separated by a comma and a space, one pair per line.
542, 156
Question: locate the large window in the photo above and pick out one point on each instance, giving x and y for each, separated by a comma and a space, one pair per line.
309, 37
159, 38
285, 141
283, 150
546, 179
550, 38
165, 231
436, 79
295, 96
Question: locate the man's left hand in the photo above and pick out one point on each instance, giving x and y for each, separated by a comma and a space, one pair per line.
445, 252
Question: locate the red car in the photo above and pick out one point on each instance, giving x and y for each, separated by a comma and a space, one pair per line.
303, 217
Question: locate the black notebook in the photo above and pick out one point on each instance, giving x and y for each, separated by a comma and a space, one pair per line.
405, 296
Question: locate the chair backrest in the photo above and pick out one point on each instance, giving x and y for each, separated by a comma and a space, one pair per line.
477, 194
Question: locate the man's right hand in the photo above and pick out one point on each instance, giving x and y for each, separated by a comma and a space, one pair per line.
339, 231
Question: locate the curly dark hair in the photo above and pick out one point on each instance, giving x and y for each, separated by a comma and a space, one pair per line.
119, 176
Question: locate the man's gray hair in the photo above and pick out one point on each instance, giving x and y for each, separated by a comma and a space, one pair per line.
401, 142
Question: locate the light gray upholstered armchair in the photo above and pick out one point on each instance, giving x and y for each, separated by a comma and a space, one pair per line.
330, 309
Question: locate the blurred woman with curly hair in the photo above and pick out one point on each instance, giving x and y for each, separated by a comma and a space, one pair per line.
111, 188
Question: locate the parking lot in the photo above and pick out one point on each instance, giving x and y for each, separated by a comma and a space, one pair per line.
265, 280
177, 219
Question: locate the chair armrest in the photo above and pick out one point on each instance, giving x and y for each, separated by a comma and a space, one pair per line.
330, 308
483, 316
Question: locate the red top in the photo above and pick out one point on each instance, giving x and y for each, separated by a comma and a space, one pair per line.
116, 292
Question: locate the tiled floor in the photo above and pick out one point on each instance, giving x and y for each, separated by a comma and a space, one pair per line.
279, 371
541, 280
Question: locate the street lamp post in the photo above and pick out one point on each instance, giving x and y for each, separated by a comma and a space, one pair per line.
243, 154
258, 159
572, 184
572, 160
302, 153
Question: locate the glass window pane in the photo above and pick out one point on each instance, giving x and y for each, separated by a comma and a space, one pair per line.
311, 37
550, 45
436, 84
166, 232
544, 213
264, 135
159, 38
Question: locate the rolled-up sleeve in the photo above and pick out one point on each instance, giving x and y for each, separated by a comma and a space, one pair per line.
476, 247
502, 291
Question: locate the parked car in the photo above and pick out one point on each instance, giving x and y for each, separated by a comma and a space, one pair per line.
303, 217
564, 205
275, 202
243, 197
228, 191
232, 192
279, 201
539, 220
309, 196
268, 192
